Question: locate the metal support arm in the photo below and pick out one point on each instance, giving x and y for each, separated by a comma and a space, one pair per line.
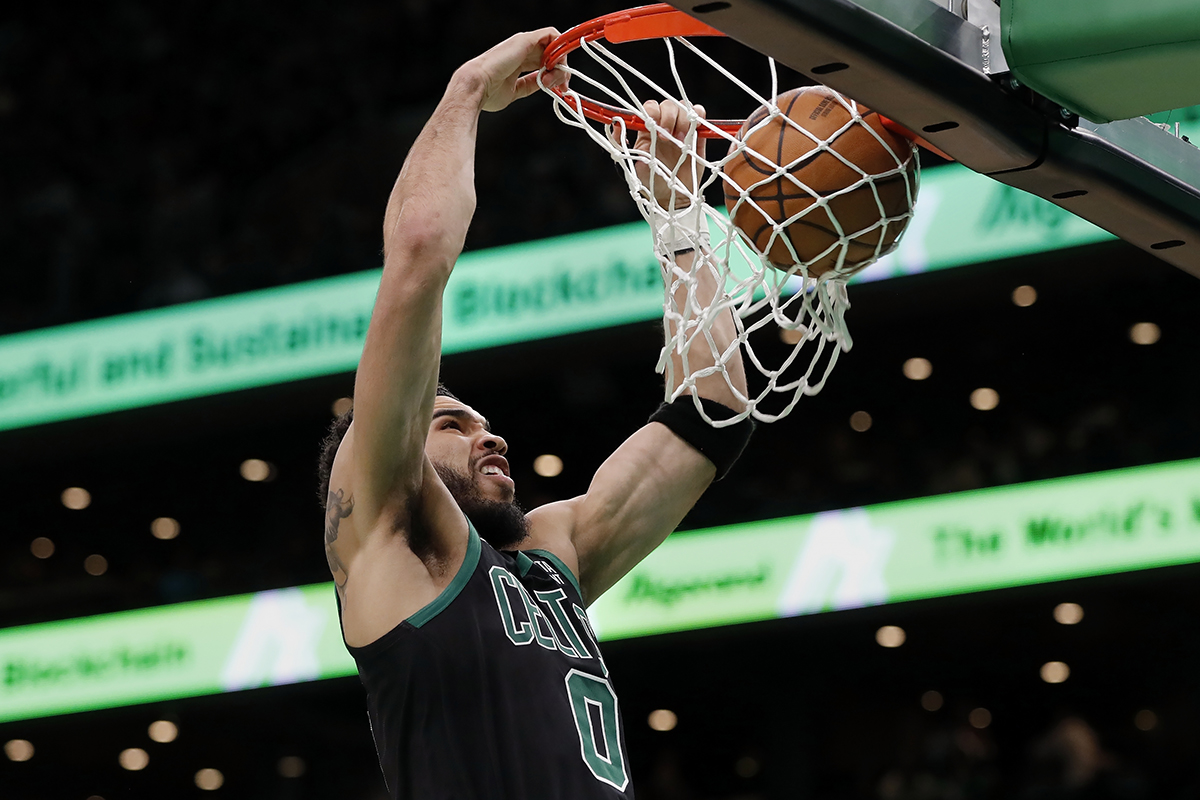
923, 66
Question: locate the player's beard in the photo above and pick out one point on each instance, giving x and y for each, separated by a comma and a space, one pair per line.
501, 524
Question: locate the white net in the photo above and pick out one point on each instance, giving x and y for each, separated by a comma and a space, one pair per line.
773, 292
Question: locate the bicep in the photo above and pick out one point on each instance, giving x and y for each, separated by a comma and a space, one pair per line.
638, 496
428, 526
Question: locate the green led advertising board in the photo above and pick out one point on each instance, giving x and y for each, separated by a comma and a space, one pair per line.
500, 296
932, 547
187, 649
1010, 536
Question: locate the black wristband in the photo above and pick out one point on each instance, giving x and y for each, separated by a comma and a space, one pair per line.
721, 446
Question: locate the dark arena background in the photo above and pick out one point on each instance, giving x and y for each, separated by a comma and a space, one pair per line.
997, 595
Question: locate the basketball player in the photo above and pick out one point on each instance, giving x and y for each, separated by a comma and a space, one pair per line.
465, 615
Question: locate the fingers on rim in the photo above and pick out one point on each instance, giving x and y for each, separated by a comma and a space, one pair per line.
525, 86
669, 113
537, 41
670, 116
555, 77
543, 36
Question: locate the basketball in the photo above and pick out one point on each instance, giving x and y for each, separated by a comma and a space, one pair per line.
867, 216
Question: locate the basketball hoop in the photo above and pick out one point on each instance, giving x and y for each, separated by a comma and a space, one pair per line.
658, 21
800, 296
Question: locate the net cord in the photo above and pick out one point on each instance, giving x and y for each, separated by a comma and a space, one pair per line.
757, 295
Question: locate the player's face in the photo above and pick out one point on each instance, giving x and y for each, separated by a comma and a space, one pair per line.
459, 439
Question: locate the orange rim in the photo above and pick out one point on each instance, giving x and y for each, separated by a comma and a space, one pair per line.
658, 21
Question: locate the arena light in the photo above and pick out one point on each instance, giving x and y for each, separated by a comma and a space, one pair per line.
163, 731
18, 749
1145, 333
662, 719
209, 779
548, 465
291, 767
41, 547
917, 369
1024, 296
164, 528
134, 759
1068, 613
890, 636
980, 718
256, 470
861, 421
985, 399
1055, 672
341, 406
95, 564
1145, 720
931, 700
76, 498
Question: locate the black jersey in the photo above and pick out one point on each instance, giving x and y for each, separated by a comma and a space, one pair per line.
496, 690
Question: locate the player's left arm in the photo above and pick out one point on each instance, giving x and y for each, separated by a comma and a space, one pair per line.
642, 491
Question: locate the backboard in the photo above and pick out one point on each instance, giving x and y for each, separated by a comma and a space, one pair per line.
943, 74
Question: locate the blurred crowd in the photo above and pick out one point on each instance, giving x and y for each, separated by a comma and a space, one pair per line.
1065, 762
1070, 759
155, 154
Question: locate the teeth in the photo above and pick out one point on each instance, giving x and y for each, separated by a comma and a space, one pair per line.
492, 470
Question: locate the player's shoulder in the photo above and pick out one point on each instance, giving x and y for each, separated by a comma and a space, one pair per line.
551, 529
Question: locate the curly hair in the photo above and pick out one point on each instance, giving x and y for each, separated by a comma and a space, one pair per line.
333, 440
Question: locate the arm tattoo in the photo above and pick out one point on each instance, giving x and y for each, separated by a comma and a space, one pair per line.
337, 508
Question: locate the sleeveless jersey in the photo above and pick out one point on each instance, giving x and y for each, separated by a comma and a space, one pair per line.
496, 690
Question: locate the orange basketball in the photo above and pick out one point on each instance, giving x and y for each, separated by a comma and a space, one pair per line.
822, 112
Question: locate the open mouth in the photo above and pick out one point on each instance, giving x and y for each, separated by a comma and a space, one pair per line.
495, 466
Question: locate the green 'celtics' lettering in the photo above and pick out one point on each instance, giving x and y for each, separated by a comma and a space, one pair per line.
546, 640
593, 702
553, 601
587, 628
517, 634
587, 692
535, 626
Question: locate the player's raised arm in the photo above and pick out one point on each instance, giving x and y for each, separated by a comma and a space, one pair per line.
424, 228
381, 472
644, 489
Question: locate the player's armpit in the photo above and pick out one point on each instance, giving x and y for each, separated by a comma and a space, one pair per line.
390, 566
639, 495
